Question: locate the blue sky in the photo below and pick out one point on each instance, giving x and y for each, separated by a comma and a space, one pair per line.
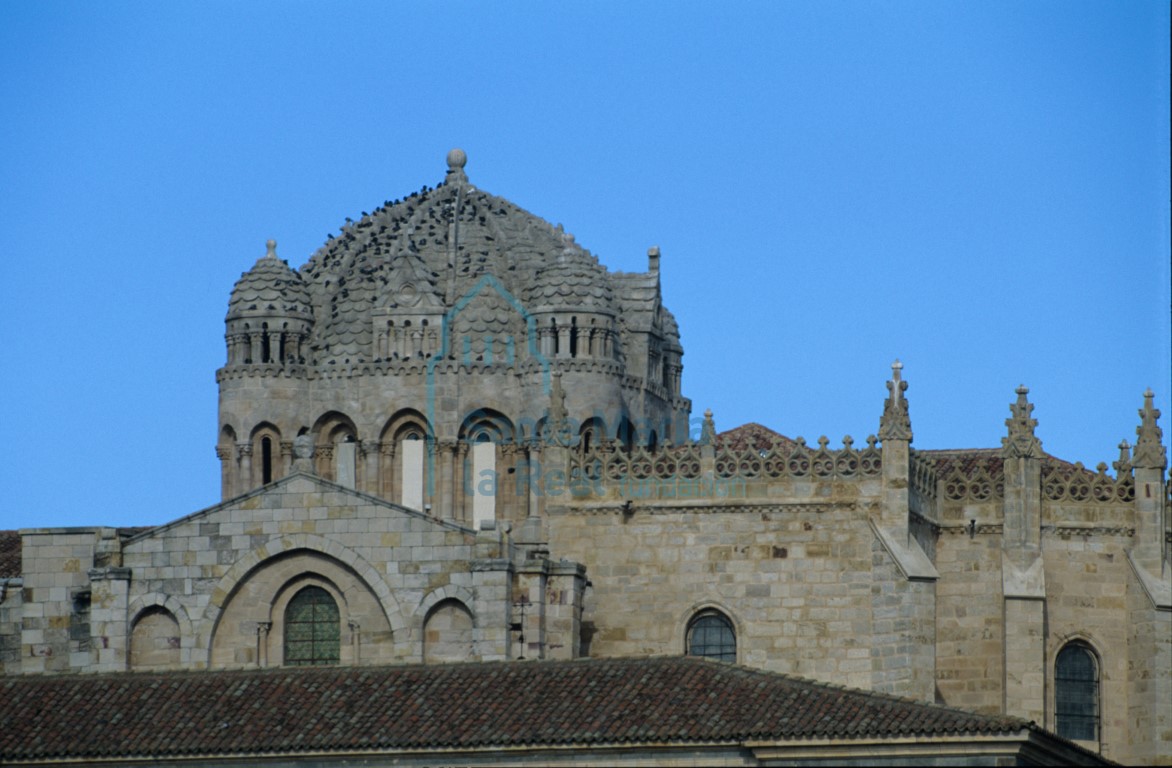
978, 188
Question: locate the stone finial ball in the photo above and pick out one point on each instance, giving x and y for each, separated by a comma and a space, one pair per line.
457, 158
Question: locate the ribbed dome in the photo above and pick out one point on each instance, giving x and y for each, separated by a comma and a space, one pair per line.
270, 288
575, 281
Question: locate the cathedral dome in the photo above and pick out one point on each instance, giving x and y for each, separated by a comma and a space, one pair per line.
447, 240
576, 281
270, 289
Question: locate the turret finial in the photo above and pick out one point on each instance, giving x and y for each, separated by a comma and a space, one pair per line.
271, 247
1021, 442
1123, 466
896, 422
708, 429
1149, 447
456, 161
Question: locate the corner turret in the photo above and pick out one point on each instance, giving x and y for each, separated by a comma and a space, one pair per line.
270, 314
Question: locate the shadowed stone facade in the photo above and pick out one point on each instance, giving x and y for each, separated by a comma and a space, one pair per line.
466, 439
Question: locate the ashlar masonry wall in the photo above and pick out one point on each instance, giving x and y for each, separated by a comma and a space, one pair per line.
808, 589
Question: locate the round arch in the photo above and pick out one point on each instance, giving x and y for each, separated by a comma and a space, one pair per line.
252, 563
482, 421
699, 610
143, 605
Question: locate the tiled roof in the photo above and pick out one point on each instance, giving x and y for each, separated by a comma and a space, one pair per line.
969, 460
458, 706
9, 554
752, 435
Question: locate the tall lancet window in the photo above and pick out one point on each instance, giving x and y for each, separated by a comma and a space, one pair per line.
411, 453
1076, 693
266, 458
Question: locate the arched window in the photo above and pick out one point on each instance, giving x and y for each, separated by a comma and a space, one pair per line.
483, 478
313, 629
1076, 693
266, 457
711, 634
411, 457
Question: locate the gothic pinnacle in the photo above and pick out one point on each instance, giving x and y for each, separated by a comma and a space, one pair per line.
1149, 448
896, 423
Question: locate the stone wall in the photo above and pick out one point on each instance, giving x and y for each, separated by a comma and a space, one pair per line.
795, 579
55, 597
11, 618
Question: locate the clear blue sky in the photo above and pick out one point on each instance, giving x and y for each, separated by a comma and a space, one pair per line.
978, 188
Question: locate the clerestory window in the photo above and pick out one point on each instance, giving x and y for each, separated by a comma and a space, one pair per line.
313, 629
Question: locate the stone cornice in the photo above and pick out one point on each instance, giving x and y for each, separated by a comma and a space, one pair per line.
711, 506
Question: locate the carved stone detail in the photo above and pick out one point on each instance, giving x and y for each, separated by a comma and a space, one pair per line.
1021, 442
896, 423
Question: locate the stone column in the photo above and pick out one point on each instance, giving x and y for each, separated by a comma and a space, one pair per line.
446, 506
563, 341
262, 643
370, 453
460, 498
355, 641
387, 482
286, 458
244, 451
225, 455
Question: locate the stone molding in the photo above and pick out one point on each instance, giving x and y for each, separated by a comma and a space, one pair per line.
708, 506
447, 592
285, 544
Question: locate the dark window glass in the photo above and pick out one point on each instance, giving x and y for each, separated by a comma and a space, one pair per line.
1076, 693
711, 635
312, 629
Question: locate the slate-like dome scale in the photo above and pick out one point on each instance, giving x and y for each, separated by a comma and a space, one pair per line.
270, 288
455, 234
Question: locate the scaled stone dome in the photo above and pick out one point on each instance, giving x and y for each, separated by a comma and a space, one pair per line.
441, 242
576, 281
270, 288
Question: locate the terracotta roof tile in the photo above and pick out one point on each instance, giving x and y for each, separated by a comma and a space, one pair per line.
9, 554
584, 702
968, 461
752, 435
